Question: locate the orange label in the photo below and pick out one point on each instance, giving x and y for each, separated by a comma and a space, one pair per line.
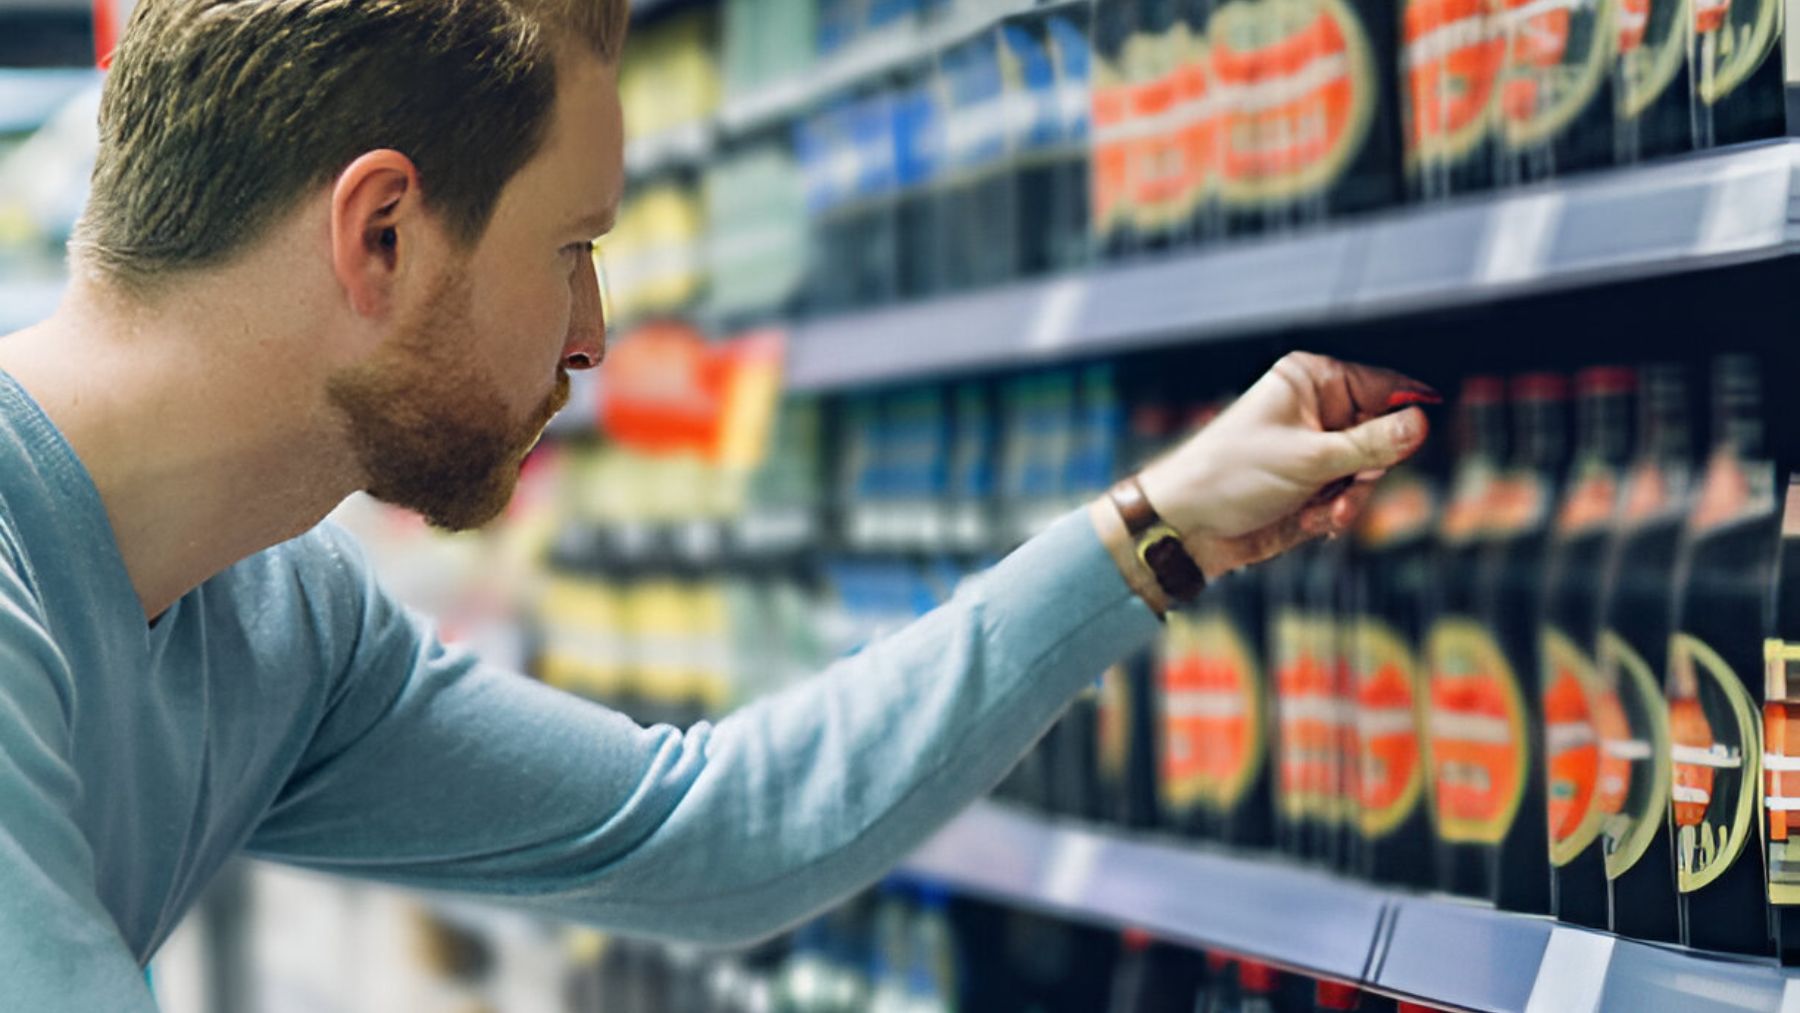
1589, 504
1634, 24
1390, 768
1110, 184
1516, 502
1781, 771
1307, 713
1299, 81
1402, 507
1477, 733
1453, 54
1715, 750
1211, 713
1571, 746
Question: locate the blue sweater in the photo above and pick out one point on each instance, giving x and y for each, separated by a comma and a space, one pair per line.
287, 708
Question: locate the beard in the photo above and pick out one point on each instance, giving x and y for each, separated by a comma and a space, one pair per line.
430, 431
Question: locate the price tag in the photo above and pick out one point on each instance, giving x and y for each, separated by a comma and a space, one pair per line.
1518, 235
1572, 973
1054, 323
1071, 866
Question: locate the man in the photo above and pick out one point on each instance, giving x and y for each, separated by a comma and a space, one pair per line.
345, 244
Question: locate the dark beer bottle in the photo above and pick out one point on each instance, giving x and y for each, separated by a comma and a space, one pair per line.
1724, 573
1781, 735
1394, 578
1572, 695
1637, 611
1467, 702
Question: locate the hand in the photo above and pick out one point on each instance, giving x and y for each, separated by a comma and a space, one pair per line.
1296, 457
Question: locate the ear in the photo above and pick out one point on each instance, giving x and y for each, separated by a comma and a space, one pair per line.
376, 216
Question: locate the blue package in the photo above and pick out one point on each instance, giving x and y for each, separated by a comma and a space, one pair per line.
975, 135
1032, 120
1074, 58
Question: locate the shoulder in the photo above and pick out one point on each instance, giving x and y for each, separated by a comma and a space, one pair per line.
317, 586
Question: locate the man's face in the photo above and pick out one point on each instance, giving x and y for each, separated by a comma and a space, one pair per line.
442, 416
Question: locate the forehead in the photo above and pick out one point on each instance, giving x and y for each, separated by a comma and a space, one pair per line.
580, 167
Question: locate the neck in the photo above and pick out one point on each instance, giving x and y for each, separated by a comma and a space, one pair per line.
201, 426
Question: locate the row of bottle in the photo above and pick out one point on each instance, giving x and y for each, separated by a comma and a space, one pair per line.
1553, 677
911, 948
1056, 133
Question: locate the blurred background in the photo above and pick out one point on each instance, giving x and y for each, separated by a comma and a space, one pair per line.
897, 283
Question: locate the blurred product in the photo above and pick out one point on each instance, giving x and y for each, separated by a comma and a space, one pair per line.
1556, 103
1394, 582
1452, 52
1650, 80
1476, 718
1511, 599
1637, 611
1575, 706
1781, 736
1725, 569
1735, 75
1153, 977
756, 240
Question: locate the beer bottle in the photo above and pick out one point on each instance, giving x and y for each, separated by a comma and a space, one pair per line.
1510, 597
1572, 694
1781, 735
1393, 581
1637, 611
1467, 701
1724, 573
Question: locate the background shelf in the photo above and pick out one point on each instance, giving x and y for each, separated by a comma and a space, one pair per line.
1706, 211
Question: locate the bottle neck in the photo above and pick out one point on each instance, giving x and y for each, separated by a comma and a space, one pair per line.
1482, 432
1663, 430
1737, 407
1541, 440
1604, 422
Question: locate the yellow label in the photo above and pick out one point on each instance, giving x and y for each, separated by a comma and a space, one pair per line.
1477, 744
1212, 713
1715, 750
1633, 720
1571, 746
1389, 716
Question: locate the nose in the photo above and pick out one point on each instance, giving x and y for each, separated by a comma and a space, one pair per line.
585, 344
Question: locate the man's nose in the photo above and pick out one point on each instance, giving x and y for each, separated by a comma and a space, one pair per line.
585, 344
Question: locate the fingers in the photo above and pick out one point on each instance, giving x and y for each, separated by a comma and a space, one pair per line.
1375, 445
1348, 394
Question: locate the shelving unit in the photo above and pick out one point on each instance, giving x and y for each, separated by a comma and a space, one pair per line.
1689, 214
1445, 951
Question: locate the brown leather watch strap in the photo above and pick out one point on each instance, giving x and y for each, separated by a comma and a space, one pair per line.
1157, 544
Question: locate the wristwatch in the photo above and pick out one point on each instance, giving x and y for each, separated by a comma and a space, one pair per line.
1156, 544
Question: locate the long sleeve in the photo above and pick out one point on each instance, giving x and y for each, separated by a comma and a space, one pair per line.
429, 769
59, 946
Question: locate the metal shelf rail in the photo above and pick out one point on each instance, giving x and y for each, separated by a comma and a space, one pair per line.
1441, 951
1708, 210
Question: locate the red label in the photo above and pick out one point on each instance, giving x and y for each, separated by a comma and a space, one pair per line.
1453, 57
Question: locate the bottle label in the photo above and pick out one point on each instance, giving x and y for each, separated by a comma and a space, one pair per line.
1212, 713
1571, 745
1110, 185
1589, 505
1632, 793
1113, 727
1390, 769
1298, 77
1731, 39
1556, 62
1477, 733
1403, 508
1452, 52
1308, 715
1652, 49
1781, 770
1716, 754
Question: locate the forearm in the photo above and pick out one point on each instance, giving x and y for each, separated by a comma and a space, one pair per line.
807, 796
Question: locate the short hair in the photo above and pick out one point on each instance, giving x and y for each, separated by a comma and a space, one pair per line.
218, 115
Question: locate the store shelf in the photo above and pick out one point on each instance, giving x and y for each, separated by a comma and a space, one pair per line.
687, 145
878, 54
1697, 212
1443, 951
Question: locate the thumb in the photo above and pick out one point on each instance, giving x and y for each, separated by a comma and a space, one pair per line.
1376, 444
